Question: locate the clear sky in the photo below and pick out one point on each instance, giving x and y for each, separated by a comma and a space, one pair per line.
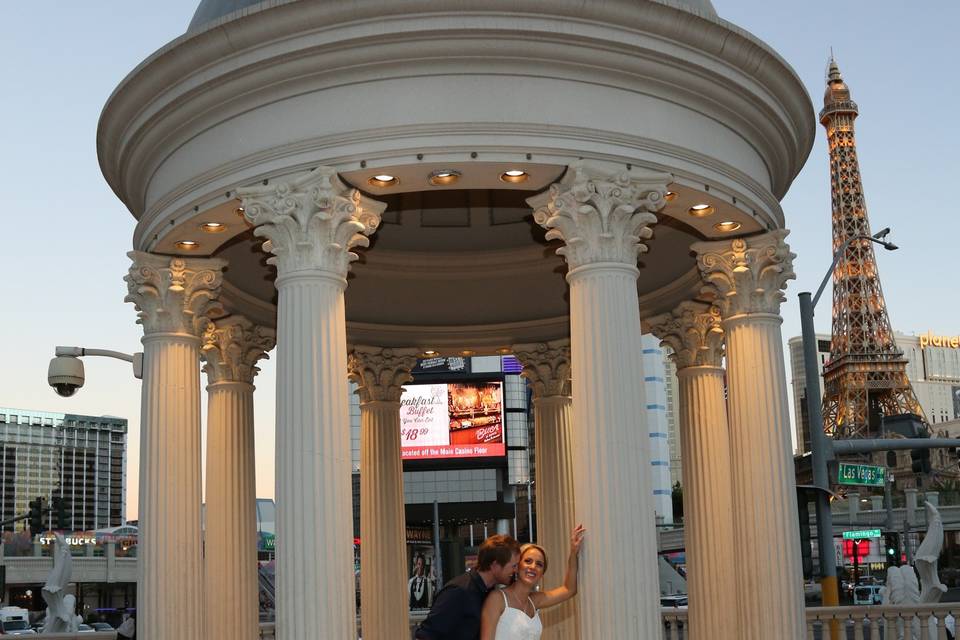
67, 234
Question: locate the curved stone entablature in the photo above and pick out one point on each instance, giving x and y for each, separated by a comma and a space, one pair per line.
296, 85
262, 96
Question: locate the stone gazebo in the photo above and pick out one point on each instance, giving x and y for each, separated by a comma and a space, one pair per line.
530, 177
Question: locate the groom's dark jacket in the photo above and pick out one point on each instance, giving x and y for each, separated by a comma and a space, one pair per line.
455, 614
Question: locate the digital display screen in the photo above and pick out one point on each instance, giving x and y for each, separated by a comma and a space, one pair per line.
452, 420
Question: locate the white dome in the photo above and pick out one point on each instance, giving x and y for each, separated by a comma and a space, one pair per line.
209, 11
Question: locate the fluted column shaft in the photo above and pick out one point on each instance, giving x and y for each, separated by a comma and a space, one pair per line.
169, 561
602, 220
611, 460
707, 503
379, 374
748, 276
383, 589
314, 493
231, 348
311, 224
546, 366
173, 298
767, 539
230, 550
555, 505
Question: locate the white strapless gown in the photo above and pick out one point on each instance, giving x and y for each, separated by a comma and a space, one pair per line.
515, 624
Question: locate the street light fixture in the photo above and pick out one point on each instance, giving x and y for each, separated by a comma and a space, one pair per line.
821, 450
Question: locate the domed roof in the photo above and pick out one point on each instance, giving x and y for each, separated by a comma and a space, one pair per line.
211, 10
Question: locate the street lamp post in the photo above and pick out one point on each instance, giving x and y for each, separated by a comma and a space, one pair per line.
530, 483
820, 447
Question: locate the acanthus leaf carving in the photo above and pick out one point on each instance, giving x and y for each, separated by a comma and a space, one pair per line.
692, 331
747, 274
312, 222
601, 217
546, 365
380, 373
174, 294
232, 346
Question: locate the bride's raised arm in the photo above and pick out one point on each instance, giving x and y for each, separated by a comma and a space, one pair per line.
544, 599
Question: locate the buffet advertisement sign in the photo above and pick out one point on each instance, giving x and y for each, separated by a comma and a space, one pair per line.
452, 420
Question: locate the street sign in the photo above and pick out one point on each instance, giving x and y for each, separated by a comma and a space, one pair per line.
861, 474
862, 534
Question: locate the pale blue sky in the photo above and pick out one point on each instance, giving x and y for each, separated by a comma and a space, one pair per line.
67, 234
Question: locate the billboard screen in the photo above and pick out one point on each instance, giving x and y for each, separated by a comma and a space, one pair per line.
452, 420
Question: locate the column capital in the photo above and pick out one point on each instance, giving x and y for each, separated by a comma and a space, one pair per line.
173, 294
748, 275
231, 348
380, 372
311, 222
546, 365
601, 217
692, 331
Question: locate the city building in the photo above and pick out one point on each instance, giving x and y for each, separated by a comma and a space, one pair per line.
490, 496
932, 366
80, 458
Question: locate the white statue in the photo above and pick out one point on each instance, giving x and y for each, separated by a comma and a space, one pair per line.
902, 586
61, 606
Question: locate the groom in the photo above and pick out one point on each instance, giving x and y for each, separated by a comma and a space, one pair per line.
455, 614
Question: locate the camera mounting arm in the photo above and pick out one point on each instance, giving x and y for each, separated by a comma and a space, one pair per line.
76, 352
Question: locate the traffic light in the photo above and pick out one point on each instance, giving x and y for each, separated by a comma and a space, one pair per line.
920, 460
60, 516
36, 516
892, 544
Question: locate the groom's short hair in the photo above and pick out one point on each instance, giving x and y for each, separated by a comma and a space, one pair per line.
499, 548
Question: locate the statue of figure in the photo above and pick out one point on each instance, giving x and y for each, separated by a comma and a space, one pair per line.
61, 616
902, 586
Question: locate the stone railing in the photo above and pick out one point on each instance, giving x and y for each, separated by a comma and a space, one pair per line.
884, 622
878, 622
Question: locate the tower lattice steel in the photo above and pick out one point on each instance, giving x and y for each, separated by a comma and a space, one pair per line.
865, 377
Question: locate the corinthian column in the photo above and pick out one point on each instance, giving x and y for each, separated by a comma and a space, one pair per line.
311, 224
231, 347
694, 334
601, 220
379, 374
547, 367
173, 297
749, 275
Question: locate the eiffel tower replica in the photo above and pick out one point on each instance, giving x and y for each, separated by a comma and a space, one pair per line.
865, 378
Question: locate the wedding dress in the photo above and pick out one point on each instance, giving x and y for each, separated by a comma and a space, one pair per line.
515, 624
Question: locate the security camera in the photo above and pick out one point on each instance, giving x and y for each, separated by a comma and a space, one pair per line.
65, 375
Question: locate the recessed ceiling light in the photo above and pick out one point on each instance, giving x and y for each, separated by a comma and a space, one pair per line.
727, 226
670, 196
213, 227
701, 210
429, 353
383, 180
504, 351
514, 176
466, 353
441, 177
188, 245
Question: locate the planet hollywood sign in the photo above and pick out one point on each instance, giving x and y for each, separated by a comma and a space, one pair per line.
928, 339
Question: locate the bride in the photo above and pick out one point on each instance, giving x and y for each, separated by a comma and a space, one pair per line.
513, 613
